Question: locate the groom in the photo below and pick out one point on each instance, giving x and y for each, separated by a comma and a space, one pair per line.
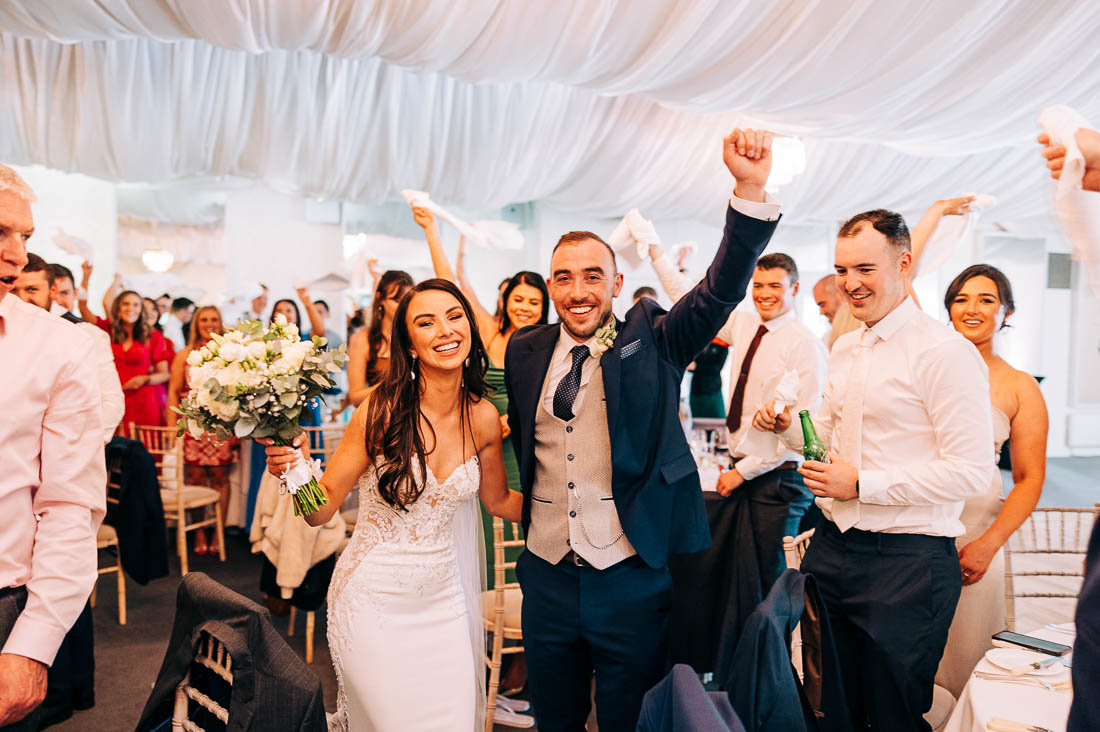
610, 486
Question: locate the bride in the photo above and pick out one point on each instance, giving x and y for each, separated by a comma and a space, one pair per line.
404, 617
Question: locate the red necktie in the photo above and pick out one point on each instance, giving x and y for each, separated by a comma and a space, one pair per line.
733, 418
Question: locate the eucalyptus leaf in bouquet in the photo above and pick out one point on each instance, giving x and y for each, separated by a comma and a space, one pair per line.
254, 382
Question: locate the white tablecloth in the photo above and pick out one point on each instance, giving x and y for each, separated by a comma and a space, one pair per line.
982, 700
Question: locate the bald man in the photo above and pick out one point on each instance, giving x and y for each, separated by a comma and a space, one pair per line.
831, 304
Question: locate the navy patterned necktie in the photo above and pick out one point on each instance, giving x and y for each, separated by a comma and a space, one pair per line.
568, 387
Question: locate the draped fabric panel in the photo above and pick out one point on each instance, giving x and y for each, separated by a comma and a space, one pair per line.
592, 106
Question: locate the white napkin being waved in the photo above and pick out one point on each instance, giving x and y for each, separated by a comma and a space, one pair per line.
1077, 210
765, 444
950, 233
74, 245
632, 237
490, 234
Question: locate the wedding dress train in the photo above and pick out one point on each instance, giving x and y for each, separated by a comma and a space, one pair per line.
404, 620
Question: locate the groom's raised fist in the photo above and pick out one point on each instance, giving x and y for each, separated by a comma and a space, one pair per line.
748, 156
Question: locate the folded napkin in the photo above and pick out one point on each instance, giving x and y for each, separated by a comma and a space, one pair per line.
631, 238
950, 233
74, 245
766, 444
490, 234
1077, 210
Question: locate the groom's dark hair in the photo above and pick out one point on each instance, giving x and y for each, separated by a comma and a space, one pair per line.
575, 237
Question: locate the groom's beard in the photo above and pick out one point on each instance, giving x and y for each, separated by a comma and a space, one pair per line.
604, 317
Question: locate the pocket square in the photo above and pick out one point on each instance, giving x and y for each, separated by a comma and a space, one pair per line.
630, 349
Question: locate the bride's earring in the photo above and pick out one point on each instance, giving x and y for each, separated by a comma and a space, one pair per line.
467, 362
412, 371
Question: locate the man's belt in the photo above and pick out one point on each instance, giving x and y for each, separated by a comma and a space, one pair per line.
789, 465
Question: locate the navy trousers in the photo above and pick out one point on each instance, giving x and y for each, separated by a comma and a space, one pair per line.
890, 598
12, 602
777, 501
580, 620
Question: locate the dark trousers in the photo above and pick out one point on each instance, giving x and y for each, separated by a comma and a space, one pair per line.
580, 620
12, 602
72, 675
777, 501
890, 598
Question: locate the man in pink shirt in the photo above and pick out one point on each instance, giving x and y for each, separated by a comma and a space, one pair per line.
52, 484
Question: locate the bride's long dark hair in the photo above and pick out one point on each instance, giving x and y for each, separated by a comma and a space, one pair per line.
393, 410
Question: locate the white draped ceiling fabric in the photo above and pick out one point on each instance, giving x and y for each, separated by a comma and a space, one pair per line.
593, 106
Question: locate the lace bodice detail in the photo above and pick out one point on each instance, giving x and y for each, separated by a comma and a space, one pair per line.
426, 522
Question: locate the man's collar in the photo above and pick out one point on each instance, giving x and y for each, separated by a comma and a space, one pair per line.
905, 311
778, 321
566, 341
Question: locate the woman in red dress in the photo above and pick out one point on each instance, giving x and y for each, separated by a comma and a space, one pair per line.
206, 459
142, 356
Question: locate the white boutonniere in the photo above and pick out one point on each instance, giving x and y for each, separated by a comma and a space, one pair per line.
605, 338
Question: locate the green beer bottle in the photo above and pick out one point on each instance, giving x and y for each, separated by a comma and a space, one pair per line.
812, 446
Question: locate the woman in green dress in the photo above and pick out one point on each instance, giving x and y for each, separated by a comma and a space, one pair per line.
526, 301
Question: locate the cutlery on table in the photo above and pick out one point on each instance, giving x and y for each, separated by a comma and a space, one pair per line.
1030, 680
1007, 725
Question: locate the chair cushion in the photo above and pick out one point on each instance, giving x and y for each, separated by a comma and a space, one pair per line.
193, 496
106, 536
513, 607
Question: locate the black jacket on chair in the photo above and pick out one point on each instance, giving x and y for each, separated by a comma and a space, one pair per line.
762, 683
654, 479
139, 516
272, 688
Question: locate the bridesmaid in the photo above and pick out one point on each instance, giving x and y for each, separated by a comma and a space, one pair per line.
142, 356
206, 459
526, 301
979, 301
369, 348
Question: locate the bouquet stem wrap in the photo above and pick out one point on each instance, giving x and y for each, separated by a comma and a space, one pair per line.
301, 482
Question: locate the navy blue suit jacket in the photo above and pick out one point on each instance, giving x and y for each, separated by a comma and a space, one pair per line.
654, 480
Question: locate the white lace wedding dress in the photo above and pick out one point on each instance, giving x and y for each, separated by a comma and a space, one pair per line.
404, 618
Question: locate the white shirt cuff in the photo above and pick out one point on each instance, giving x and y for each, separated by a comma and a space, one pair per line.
34, 639
766, 211
872, 487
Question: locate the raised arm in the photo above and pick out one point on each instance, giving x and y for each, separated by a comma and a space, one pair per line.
82, 294
112, 292
486, 323
673, 280
922, 232
750, 221
316, 324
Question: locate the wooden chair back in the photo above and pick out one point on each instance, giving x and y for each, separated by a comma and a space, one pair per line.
210, 653
1044, 558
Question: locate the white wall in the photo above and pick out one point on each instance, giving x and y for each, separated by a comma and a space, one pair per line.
80, 206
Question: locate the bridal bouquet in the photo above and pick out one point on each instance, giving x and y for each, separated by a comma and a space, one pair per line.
255, 382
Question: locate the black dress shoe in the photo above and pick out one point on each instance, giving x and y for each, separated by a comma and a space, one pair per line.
83, 701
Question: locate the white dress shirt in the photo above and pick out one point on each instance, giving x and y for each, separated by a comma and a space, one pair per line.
787, 345
173, 331
926, 425
561, 362
112, 400
54, 477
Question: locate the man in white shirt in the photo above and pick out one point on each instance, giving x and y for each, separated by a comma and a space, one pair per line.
37, 285
906, 417
764, 345
177, 321
52, 486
